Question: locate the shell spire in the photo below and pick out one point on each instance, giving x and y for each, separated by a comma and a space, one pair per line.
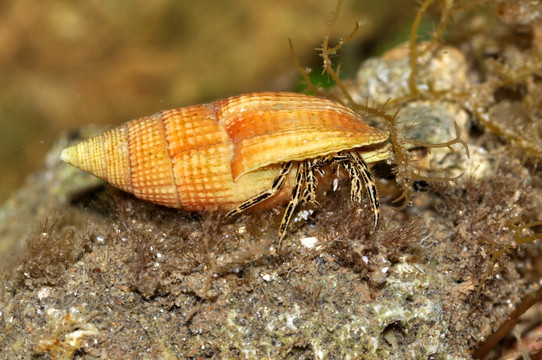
105, 156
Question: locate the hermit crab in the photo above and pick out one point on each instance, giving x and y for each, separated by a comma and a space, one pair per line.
237, 152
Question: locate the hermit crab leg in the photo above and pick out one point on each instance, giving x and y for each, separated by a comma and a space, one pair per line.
309, 193
264, 195
370, 185
294, 200
354, 173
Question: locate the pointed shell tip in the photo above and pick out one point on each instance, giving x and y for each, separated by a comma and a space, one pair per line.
65, 155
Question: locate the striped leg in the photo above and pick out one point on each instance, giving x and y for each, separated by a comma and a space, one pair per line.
264, 195
370, 186
296, 196
309, 193
355, 189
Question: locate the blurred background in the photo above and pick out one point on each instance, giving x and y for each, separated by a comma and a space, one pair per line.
65, 65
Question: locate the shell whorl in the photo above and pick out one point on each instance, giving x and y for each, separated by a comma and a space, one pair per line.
272, 128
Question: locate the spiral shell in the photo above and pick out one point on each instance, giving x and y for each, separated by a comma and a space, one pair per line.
217, 155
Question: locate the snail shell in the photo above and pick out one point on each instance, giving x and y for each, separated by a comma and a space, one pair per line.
217, 155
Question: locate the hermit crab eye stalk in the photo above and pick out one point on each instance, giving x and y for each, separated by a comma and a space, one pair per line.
235, 153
